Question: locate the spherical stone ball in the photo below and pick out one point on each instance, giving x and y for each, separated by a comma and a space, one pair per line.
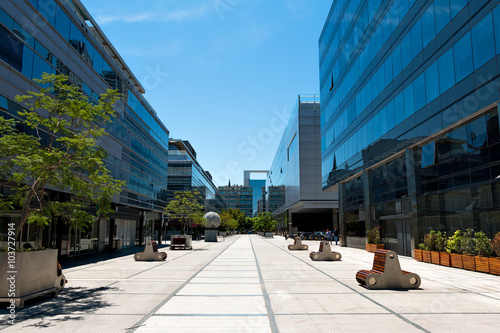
211, 220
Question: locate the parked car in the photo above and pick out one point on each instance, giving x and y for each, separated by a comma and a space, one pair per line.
318, 235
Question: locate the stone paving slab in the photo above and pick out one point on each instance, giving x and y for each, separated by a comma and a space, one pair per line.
252, 284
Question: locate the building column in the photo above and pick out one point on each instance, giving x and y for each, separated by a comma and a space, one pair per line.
111, 234
341, 215
412, 179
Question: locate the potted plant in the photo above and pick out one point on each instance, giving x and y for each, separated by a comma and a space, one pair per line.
373, 240
418, 252
430, 252
494, 262
469, 249
483, 250
454, 248
444, 257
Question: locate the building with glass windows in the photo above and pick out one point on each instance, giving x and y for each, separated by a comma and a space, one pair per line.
257, 180
50, 36
238, 197
293, 185
409, 119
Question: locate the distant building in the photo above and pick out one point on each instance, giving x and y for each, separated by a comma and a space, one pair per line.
238, 197
256, 185
293, 185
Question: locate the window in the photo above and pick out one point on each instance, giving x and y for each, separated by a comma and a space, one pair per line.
457, 6
399, 108
419, 92
428, 153
391, 117
27, 67
482, 41
48, 10
462, 53
432, 82
428, 28
416, 39
446, 71
476, 133
6, 19
396, 60
409, 101
405, 51
442, 14
62, 23
496, 17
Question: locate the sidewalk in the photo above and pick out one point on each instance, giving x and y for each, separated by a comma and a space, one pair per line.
252, 284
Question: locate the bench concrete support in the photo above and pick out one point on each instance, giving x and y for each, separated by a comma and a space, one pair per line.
150, 252
297, 245
325, 253
211, 235
387, 273
184, 242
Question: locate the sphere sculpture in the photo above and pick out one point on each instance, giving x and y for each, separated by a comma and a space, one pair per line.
211, 220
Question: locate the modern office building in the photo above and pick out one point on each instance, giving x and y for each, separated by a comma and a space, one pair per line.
293, 185
38, 36
185, 174
409, 120
257, 180
238, 197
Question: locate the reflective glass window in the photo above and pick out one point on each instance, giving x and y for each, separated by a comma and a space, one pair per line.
40, 66
416, 39
48, 10
383, 121
457, 6
399, 106
6, 19
24, 35
63, 23
5, 45
405, 51
446, 71
482, 41
428, 27
458, 141
428, 153
477, 133
34, 3
396, 61
27, 62
391, 117
16, 55
441, 13
462, 53
388, 71
419, 92
496, 17
409, 100
75, 37
97, 62
432, 82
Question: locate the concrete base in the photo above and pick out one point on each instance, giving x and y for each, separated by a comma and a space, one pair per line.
211, 235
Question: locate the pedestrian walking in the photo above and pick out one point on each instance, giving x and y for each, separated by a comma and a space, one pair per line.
328, 235
336, 236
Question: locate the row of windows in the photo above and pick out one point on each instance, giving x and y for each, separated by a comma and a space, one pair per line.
433, 20
468, 54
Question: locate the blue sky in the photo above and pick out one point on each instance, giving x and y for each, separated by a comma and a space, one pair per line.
223, 74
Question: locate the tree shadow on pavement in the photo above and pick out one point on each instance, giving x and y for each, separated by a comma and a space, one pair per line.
71, 304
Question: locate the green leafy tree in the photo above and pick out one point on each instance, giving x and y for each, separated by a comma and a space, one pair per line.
239, 217
264, 222
186, 208
61, 151
227, 221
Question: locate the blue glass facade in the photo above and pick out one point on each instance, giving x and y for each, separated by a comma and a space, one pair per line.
398, 75
59, 37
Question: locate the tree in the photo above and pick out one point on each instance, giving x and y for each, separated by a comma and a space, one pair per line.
227, 221
239, 217
264, 222
60, 151
186, 208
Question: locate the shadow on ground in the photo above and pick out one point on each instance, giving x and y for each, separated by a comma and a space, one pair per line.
71, 304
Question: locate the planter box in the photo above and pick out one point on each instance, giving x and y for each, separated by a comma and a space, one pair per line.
418, 255
426, 255
445, 259
456, 260
482, 264
494, 263
435, 257
469, 262
36, 275
374, 247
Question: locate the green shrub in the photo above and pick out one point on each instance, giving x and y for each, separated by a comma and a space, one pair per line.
441, 241
430, 241
483, 245
495, 244
468, 242
454, 243
421, 246
373, 235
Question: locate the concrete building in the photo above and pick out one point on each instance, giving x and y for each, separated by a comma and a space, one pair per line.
293, 185
238, 197
409, 119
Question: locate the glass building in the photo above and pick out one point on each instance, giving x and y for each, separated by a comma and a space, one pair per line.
48, 36
257, 186
293, 185
409, 119
238, 197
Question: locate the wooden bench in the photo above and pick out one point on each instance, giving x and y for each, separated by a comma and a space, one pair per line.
150, 252
297, 245
387, 274
325, 253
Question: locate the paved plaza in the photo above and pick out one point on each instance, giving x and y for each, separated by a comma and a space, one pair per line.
252, 284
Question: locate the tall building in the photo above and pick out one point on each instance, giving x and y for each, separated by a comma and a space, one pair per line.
238, 197
257, 184
409, 120
293, 185
185, 174
47, 36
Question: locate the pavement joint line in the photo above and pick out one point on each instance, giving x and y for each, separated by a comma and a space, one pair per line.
210, 315
270, 313
357, 292
152, 312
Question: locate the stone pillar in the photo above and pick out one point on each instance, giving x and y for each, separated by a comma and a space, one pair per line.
412, 179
